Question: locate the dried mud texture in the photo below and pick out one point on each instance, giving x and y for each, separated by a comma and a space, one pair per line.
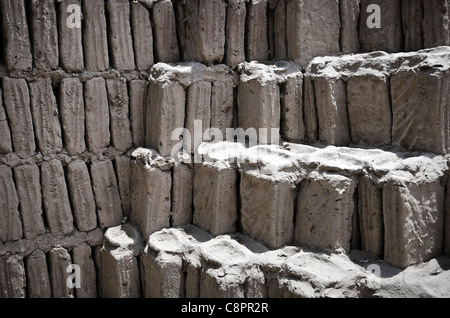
235, 33
370, 122
270, 94
188, 262
363, 188
166, 43
331, 103
404, 83
56, 198
222, 104
182, 194
421, 207
181, 94
198, 108
37, 267
410, 90
121, 138
166, 113
45, 34
82, 197
370, 212
163, 268
16, 34
59, 260
119, 35
277, 30
257, 46
204, 31
44, 110
446, 250
5, 132
142, 36
236, 266
70, 39
122, 167
76, 103
95, 42
138, 93
28, 183
350, 19
106, 193
11, 225
38, 277
98, 135
129, 36
315, 29
12, 273
82, 255
119, 262
151, 184
413, 24
215, 199
273, 224
71, 107
436, 23
17, 105
324, 212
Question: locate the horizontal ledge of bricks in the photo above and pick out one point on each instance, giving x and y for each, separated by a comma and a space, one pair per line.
127, 35
371, 185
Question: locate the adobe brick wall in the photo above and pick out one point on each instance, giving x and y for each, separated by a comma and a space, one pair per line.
76, 103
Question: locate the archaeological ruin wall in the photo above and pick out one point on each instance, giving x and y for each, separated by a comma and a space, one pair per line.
91, 170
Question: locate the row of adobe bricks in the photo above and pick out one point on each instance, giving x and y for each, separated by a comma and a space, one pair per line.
127, 35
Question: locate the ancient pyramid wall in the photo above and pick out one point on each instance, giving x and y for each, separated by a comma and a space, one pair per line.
81, 105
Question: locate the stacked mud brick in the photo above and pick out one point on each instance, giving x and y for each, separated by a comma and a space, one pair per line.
90, 117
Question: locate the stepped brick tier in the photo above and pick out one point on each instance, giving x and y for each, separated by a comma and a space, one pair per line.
367, 193
320, 186
179, 95
224, 148
381, 99
189, 262
130, 35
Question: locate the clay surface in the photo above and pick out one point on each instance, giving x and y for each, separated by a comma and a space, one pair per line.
224, 148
